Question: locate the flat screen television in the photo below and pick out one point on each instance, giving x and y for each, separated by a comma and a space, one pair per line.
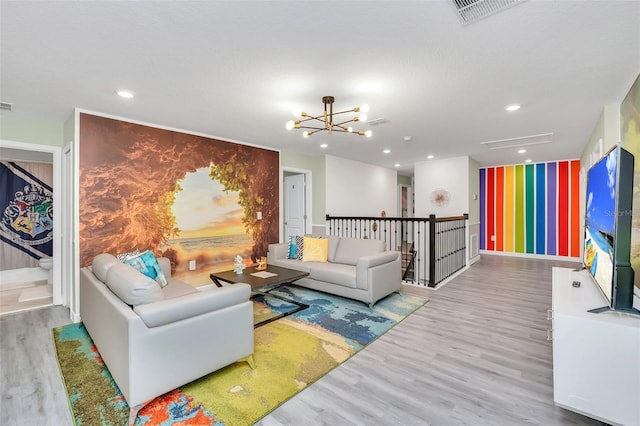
607, 239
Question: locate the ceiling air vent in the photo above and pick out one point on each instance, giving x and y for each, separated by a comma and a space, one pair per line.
519, 142
377, 121
471, 10
5, 106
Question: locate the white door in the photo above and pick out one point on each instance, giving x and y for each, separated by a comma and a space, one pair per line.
294, 206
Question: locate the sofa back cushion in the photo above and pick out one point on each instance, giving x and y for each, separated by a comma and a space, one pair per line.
333, 247
132, 287
101, 265
349, 250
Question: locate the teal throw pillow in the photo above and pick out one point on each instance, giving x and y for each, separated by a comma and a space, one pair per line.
148, 265
296, 247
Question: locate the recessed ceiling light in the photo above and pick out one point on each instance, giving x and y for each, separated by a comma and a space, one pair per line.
408, 138
125, 94
513, 107
429, 157
528, 160
324, 145
386, 151
396, 165
522, 151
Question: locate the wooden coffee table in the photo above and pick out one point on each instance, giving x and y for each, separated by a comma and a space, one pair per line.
283, 276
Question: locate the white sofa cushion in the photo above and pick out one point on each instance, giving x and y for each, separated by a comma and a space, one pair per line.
335, 273
101, 265
177, 288
351, 249
132, 287
171, 310
333, 247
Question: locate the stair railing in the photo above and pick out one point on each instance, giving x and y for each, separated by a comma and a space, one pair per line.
432, 249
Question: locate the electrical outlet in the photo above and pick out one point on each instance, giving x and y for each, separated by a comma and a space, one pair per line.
259, 215
192, 265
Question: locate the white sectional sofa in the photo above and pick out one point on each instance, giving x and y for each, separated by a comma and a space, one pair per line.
154, 339
358, 269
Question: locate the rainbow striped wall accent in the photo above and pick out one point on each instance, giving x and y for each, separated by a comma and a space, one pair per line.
531, 208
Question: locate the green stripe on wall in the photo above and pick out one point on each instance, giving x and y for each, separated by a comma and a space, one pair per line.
530, 217
519, 219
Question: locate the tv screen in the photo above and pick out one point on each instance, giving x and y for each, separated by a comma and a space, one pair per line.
607, 239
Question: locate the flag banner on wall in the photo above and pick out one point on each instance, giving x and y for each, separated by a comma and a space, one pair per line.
531, 208
26, 205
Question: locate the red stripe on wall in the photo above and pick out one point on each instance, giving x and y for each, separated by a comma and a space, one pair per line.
500, 209
563, 208
575, 208
490, 209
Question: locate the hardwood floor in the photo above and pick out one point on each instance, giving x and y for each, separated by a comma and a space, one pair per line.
476, 354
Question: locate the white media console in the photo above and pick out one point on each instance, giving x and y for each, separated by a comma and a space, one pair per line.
596, 357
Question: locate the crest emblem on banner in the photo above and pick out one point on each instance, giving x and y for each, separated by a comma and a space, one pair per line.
30, 215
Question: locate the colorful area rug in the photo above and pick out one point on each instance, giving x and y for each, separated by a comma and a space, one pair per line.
290, 354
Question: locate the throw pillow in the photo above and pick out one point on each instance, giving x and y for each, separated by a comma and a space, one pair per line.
147, 263
124, 256
300, 246
296, 247
315, 249
293, 248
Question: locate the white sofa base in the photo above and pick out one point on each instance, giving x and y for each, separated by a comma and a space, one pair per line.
376, 275
146, 362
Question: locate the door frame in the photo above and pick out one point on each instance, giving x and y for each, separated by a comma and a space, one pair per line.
56, 151
307, 198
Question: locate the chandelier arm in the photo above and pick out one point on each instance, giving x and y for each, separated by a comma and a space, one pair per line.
309, 118
344, 122
309, 127
344, 112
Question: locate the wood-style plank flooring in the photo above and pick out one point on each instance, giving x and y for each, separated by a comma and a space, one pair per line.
476, 354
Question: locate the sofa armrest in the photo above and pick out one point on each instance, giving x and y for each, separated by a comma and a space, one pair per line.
367, 262
165, 265
171, 310
277, 251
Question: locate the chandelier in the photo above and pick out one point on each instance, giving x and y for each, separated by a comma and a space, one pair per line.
326, 120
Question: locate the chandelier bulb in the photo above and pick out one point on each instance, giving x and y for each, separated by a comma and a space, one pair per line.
349, 129
368, 133
306, 134
364, 108
363, 117
290, 125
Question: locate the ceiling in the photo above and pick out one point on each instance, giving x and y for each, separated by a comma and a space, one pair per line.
235, 70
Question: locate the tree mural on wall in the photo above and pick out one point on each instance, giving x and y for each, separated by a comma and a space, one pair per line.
130, 175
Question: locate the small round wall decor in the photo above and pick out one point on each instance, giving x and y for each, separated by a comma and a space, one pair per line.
439, 197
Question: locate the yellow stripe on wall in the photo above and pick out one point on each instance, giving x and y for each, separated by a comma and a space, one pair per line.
508, 207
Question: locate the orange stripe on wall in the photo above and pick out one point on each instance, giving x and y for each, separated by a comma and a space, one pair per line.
574, 227
508, 207
499, 209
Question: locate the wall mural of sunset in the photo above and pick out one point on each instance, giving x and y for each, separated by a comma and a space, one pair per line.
182, 196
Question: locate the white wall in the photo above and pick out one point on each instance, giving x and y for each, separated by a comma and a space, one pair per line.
450, 175
359, 189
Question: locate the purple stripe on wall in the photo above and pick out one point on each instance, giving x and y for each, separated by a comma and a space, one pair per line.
551, 208
482, 207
